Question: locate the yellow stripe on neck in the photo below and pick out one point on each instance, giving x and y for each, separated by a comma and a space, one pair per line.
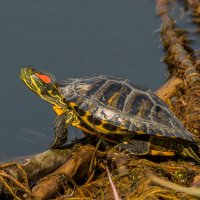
58, 110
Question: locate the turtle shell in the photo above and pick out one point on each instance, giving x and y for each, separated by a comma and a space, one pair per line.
121, 102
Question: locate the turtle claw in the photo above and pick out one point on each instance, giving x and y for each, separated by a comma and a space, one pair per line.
58, 142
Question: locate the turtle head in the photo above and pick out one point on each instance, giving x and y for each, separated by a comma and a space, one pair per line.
43, 84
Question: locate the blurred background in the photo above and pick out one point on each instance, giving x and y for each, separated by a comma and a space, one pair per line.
71, 38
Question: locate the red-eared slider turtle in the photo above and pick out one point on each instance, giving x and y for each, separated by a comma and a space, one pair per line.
117, 110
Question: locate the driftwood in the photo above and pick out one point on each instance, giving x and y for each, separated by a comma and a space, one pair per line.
169, 88
75, 167
34, 168
83, 171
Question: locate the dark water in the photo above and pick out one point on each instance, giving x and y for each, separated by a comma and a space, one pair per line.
70, 38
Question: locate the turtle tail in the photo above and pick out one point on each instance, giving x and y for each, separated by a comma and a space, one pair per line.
191, 150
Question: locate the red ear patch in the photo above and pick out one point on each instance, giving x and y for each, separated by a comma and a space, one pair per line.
43, 77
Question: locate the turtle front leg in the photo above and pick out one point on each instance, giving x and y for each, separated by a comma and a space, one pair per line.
61, 124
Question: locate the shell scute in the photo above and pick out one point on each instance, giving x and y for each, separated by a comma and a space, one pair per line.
139, 105
107, 92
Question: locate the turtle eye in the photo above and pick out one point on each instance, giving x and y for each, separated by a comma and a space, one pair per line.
44, 78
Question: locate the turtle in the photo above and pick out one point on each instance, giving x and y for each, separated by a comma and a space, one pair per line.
114, 109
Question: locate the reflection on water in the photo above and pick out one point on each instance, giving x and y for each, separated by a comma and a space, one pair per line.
69, 39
